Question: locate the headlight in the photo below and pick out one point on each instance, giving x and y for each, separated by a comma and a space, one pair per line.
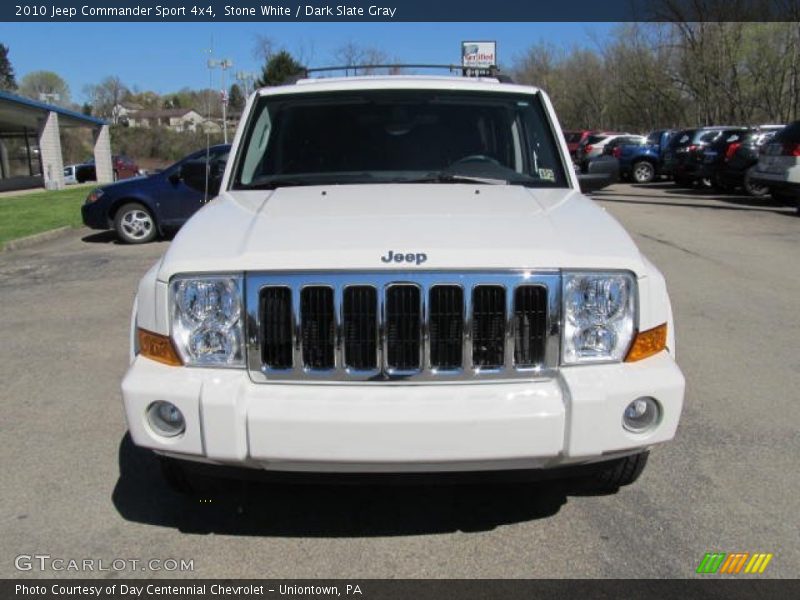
94, 195
599, 313
207, 323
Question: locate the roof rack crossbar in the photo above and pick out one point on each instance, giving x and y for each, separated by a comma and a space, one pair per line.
449, 67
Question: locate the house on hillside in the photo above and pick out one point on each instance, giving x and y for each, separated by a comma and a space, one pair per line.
177, 119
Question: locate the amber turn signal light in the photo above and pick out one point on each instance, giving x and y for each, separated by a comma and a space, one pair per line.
648, 343
158, 347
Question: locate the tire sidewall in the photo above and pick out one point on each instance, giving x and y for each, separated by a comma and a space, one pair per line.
651, 170
752, 190
122, 234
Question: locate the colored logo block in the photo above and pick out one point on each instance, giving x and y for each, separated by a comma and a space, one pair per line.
734, 563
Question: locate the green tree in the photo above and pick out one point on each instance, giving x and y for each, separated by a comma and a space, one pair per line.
45, 86
236, 98
7, 79
278, 69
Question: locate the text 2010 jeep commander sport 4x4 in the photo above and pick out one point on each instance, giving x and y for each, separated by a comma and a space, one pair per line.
401, 274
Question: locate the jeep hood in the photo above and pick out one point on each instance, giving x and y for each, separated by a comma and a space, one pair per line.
344, 227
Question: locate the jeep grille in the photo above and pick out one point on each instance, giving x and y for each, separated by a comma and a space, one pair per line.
402, 326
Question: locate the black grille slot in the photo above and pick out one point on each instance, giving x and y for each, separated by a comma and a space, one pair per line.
446, 310
488, 325
317, 326
276, 314
360, 308
403, 320
530, 325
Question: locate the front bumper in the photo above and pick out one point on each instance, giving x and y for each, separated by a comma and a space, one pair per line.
571, 419
787, 182
94, 217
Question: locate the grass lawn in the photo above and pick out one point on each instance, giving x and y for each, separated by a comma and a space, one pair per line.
27, 214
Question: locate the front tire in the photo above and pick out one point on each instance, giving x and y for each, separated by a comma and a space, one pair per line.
614, 474
643, 172
753, 189
135, 224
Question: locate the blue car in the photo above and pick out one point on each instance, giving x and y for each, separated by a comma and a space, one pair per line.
143, 208
643, 163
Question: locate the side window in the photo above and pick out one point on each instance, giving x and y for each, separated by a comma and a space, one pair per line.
193, 173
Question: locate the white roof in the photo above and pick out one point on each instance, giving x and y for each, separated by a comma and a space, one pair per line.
398, 82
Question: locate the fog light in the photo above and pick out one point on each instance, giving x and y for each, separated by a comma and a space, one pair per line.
641, 414
166, 418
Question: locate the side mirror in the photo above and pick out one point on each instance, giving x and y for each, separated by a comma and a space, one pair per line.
601, 172
174, 177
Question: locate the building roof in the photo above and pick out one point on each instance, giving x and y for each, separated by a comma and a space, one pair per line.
162, 112
18, 112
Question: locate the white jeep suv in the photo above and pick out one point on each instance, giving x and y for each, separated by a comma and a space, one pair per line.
401, 275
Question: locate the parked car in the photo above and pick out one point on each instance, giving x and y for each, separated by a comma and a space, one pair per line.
70, 172
778, 166
643, 163
684, 157
381, 249
593, 146
141, 208
612, 148
727, 162
574, 139
123, 167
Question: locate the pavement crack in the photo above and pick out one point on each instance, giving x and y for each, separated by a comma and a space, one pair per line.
674, 245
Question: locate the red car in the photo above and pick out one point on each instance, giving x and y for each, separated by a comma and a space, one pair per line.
574, 139
123, 167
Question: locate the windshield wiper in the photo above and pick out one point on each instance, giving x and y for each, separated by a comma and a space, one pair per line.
275, 183
444, 177
272, 182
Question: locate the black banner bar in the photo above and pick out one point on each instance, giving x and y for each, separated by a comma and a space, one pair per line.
739, 588
398, 10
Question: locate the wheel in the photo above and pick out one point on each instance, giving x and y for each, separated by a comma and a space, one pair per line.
753, 189
175, 476
134, 224
614, 474
704, 183
643, 172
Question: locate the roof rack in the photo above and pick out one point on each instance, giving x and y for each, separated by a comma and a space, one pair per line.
490, 72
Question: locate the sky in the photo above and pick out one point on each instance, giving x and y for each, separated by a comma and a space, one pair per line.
165, 57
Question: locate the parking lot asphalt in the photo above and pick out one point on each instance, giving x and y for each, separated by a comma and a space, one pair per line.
74, 487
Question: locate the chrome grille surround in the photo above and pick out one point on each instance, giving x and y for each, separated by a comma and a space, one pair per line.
381, 281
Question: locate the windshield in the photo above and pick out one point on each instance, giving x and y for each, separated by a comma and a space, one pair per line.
398, 136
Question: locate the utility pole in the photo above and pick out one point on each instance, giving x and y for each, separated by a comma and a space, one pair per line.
223, 64
247, 79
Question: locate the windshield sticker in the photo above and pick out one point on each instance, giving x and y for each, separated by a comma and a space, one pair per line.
547, 174
685, 138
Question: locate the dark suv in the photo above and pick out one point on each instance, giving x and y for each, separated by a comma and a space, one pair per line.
727, 161
684, 157
141, 208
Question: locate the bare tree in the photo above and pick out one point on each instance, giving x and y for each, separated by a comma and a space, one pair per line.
107, 97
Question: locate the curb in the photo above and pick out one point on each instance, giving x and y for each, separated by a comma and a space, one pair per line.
36, 239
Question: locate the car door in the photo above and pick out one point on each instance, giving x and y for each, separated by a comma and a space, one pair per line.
186, 185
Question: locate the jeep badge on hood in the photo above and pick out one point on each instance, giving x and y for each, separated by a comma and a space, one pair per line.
409, 257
